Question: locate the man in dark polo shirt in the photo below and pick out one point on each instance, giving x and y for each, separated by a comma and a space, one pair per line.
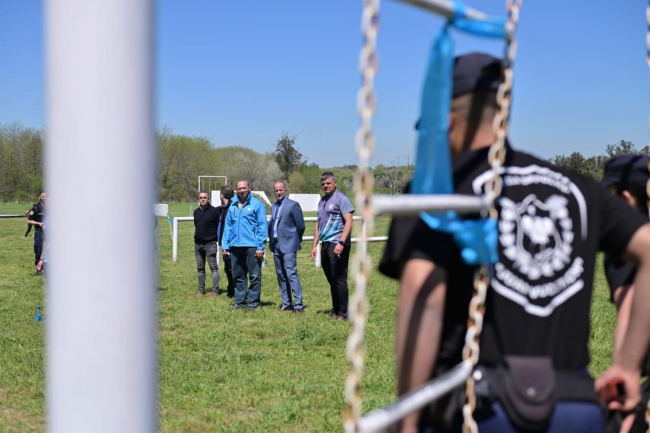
551, 224
35, 218
206, 235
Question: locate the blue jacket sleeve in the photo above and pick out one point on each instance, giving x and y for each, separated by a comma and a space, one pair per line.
262, 228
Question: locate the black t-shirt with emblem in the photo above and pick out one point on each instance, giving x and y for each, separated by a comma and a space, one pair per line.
37, 213
552, 222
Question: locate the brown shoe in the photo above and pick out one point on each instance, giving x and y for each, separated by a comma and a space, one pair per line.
298, 310
199, 293
341, 317
214, 294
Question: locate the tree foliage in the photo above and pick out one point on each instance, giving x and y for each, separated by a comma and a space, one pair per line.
287, 155
594, 165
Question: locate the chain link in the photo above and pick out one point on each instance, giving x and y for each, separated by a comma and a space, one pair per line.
363, 186
496, 159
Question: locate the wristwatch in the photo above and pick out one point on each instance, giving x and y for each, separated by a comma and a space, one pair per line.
341, 243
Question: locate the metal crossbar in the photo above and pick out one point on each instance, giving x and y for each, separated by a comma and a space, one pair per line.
381, 419
408, 205
444, 8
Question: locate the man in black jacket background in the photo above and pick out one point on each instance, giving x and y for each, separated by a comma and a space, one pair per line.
206, 235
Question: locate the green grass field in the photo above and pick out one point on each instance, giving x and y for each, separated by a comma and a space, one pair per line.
219, 370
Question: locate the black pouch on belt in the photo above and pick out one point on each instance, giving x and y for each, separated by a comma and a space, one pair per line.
525, 385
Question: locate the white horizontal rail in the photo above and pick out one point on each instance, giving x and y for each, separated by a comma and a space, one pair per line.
268, 217
444, 8
381, 419
412, 204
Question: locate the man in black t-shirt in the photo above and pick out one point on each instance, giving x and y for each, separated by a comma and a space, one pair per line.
35, 218
551, 224
206, 235
626, 176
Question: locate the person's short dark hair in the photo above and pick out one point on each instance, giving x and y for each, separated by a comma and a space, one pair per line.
204, 192
227, 192
327, 175
248, 182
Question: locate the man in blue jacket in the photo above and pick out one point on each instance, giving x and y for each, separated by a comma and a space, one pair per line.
285, 236
244, 239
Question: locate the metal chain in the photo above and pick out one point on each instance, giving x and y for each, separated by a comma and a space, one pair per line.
363, 186
496, 159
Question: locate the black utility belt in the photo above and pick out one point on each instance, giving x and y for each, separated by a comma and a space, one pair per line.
529, 387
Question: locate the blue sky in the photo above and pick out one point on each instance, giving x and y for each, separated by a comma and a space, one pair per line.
240, 73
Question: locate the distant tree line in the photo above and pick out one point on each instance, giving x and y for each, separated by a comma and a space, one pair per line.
594, 165
183, 158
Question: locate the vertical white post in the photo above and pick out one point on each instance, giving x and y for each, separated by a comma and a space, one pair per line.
318, 255
101, 337
175, 241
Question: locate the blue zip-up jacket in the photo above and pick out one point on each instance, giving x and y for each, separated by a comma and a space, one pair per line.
245, 228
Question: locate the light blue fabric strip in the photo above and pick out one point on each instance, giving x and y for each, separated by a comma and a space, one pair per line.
433, 172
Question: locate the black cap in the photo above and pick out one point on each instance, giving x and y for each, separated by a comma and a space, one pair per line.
472, 72
626, 169
476, 71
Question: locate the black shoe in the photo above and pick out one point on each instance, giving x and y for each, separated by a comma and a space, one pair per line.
298, 310
332, 313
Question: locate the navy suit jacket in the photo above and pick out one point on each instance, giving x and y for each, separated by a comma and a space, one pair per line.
291, 227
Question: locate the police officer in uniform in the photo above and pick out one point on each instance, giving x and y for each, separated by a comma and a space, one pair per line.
35, 218
536, 328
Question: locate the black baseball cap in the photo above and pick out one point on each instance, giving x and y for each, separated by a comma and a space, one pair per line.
472, 72
476, 71
626, 169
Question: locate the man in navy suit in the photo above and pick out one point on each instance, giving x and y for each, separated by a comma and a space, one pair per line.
285, 236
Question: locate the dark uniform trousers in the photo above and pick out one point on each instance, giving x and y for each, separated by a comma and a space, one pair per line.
336, 271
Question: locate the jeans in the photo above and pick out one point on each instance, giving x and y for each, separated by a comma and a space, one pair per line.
336, 271
286, 269
245, 263
227, 266
209, 251
568, 417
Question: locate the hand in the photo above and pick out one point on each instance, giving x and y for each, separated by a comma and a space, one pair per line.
338, 249
39, 265
225, 252
631, 383
259, 254
314, 253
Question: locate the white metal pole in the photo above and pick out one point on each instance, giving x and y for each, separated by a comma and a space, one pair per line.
101, 339
445, 8
175, 241
317, 262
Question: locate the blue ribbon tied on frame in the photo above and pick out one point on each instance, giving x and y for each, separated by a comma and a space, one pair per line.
477, 239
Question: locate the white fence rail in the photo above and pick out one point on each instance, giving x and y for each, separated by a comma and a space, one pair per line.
178, 220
